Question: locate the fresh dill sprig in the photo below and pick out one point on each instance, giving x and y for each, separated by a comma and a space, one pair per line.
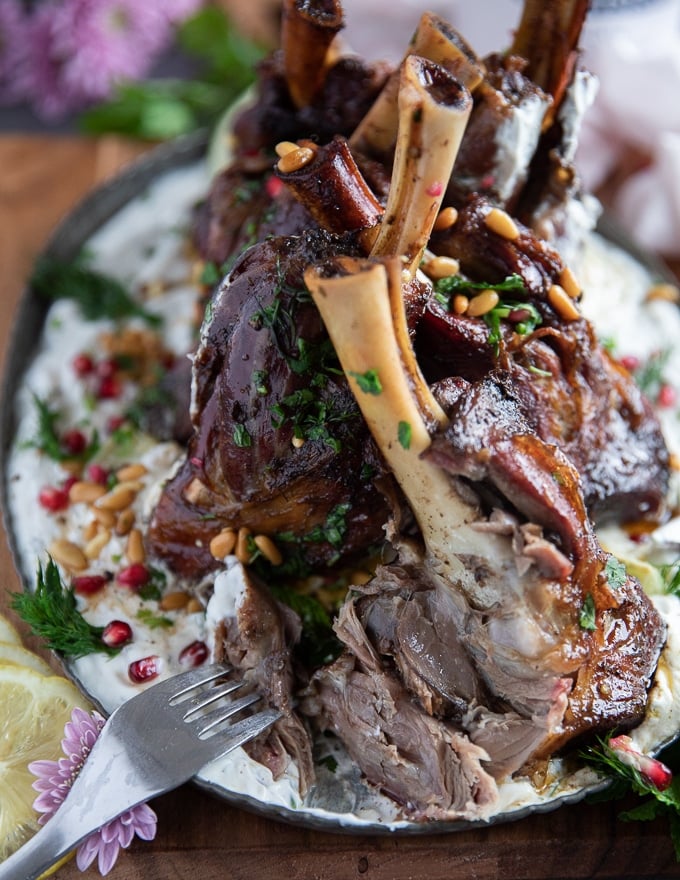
52, 614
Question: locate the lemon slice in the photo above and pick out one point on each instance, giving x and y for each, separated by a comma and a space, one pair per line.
11, 653
35, 708
7, 632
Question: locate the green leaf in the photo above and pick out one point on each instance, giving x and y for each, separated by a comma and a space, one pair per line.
587, 614
154, 621
404, 432
369, 382
241, 436
98, 295
615, 572
51, 613
210, 36
319, 644
47, 438
458, 284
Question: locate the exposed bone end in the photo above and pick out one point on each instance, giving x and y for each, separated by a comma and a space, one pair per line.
333, 189
433, 112
435, 40
308, 28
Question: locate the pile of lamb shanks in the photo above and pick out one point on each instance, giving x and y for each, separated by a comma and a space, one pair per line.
398, 338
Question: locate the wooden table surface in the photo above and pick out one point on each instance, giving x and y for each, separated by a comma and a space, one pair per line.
202, 838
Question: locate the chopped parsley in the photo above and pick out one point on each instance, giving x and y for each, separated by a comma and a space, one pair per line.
650, 376
154, 621
615, 572
449, 286
404, 433
670, 574
52, 614
528, 323
331, 531
98, 295
242, 437
368, 382
587, 614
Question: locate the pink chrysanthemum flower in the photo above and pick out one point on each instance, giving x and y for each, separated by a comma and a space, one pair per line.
77, 51
55, 778
178, 10
13, 35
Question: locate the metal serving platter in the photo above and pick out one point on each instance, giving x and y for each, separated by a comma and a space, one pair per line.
66, 243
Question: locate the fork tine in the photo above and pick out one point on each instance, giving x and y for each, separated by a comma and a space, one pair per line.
243, 731
181, 684
194, 705
213, 719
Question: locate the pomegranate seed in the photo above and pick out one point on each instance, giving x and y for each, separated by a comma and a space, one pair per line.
630, 362
144, 669
53, 499
83, 364
194, 654
516, 316
109, 388
98, 474
74, 442
117, 633
114, 423
273, 186
667, 396
653, 771
87, 584
68, 482
134, 576
106, 369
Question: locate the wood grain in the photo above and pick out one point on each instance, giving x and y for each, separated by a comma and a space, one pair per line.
202, 838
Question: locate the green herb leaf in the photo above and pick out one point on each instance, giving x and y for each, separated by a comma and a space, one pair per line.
154, 621
241, 436
615, 572
671, 577
52, 614
650, 376
47, 438
368, 382
587, 614
458, 284
318, 644
97, 295
404, 432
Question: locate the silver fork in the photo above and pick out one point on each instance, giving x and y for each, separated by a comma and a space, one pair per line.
151, 744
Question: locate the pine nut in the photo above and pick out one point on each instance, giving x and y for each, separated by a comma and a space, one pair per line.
134, 549
68, 554
445, 219
570, 283
125, 522
94, 547
242, 551
174, 601
483, 303
502, 224
223, 543
295, 160
284, 147
298, 442
118, 499
194, 606
562, 303
268, 549
665, 292
460, 303
131, 472
133, 485
85, 492
674, 461
441, 267
106, 518
90, 530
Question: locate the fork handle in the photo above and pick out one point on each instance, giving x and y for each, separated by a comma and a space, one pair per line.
109, 788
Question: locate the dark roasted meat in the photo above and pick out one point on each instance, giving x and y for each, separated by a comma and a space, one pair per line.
257, 641
264, 375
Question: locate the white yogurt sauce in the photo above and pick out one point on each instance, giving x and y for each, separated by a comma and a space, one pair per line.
142, 244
